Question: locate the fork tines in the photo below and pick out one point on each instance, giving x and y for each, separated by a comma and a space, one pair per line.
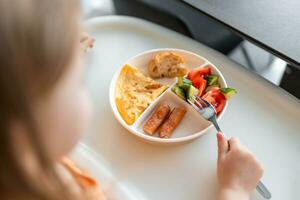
200, 103
193, 105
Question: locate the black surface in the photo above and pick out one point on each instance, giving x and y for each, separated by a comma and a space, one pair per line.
271, 24
138, 8
185, 19
180, 17
291, 81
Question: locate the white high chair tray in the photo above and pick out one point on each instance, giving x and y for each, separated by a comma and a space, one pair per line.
114, 188
263, 116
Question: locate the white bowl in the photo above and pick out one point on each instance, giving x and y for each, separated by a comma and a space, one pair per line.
193, 125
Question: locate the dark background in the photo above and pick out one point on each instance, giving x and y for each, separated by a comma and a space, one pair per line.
186, 20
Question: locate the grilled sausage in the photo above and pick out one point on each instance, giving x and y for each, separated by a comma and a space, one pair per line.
166, 129
156, 119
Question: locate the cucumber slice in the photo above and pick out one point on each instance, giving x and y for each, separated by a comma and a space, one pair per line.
212, 79
183, 83
185, 87
187, 81
210, 87
180, 80
191, 92
179, 92
228, 92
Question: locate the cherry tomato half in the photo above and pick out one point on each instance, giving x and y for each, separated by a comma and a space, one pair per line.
216, 98
200, 84
200, 72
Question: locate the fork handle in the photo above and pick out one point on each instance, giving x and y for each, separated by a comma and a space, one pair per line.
261, 188
213, 120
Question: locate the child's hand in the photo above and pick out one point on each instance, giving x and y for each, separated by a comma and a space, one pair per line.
86, 41
238, 170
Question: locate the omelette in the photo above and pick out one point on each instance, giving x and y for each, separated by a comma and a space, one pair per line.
134, 93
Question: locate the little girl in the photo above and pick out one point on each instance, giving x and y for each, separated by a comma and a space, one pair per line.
44, 108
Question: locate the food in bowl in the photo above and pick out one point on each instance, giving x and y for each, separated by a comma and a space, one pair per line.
167, 65
127, 91
201, 82
167, 128
134, 92
156, 119
164, 120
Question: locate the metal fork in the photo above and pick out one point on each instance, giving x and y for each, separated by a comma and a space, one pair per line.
208, 112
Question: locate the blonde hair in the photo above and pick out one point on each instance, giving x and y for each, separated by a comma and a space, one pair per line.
37, 42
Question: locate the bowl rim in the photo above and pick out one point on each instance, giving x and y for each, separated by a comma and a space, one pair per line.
152, 138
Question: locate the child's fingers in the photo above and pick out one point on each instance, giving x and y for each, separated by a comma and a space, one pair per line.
234, 143
222, 144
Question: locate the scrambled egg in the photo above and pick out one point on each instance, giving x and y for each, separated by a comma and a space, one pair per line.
134, 93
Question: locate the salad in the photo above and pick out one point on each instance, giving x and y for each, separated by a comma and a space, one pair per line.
201, 82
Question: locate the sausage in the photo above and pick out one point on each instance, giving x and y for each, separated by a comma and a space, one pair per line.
156, 119
166, 129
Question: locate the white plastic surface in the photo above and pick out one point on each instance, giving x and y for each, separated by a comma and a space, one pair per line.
263, 116
193, 125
